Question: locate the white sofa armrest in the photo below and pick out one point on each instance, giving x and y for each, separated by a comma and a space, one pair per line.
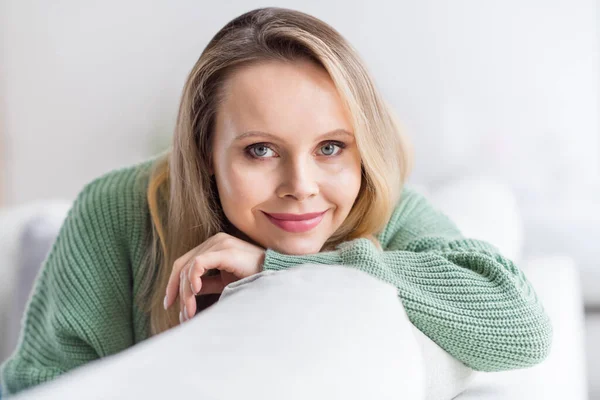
38, 222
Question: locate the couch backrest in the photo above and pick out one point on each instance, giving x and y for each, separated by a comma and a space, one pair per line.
28, 232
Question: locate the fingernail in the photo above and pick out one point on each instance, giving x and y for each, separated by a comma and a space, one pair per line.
180, 317
165, 302
185, 314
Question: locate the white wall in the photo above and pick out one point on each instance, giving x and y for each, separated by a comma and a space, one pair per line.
508, 88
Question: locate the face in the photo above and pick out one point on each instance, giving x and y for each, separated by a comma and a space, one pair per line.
283, 146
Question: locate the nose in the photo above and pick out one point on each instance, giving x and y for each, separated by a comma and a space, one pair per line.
299, 181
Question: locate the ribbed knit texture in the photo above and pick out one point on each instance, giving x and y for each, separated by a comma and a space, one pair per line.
461, 292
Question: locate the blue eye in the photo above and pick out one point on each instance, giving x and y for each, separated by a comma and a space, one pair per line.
258, 150
329, 148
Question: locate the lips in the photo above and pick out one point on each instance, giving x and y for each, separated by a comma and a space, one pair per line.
296, 222
295, 217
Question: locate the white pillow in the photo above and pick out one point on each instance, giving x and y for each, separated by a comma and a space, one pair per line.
314, 332
14, 220
445, 376
310, 332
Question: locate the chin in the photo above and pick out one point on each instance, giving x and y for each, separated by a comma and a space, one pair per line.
298, 248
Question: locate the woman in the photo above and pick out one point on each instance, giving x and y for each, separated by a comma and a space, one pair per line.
284, 153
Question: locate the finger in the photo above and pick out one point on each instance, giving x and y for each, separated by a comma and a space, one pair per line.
227, 260
171, 291
181, 294
194, 275
173, 284
212, 284
188, 298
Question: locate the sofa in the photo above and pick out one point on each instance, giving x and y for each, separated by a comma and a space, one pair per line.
480, 207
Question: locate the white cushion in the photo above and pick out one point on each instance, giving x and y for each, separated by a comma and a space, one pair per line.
321, 332
13, 221
445, 376
299, 322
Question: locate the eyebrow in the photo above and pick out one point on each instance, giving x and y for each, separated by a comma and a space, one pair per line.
335, 132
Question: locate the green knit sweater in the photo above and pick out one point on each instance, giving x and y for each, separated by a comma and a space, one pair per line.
461, 292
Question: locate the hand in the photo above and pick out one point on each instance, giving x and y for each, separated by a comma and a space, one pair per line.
233, 257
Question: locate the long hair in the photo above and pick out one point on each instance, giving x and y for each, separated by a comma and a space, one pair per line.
183, 201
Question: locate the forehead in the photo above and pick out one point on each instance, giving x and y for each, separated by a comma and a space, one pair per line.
284, 98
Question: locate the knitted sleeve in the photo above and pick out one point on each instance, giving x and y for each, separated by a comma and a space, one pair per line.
81, 303
460, 292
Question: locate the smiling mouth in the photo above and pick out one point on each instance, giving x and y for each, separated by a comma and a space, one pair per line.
296, 222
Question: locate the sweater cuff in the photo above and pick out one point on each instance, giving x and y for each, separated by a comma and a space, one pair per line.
276, 261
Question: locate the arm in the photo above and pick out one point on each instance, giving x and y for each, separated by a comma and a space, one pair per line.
81, 304
469, 299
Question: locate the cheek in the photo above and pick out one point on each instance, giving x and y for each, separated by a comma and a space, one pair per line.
344, 185
241, 188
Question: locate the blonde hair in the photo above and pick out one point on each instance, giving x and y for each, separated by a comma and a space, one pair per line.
182, 197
